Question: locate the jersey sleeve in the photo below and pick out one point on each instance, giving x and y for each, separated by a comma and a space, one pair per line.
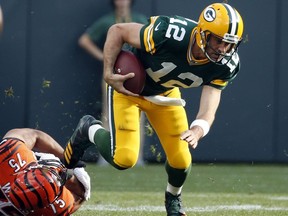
232, 68
152, 35
15, 156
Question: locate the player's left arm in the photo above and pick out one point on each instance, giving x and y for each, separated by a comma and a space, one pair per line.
37, 140
209, 102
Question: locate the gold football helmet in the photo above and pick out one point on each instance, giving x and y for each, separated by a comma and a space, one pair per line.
222, 21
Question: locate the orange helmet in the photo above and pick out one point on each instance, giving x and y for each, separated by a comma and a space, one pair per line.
36, 187
222, 21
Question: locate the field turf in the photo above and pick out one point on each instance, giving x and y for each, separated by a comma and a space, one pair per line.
211, 189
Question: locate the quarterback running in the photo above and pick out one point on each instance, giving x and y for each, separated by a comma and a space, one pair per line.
176, 53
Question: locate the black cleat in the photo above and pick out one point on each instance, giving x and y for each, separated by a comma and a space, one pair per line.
79, 141
173, 205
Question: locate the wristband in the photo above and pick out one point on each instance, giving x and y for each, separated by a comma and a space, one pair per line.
203, 124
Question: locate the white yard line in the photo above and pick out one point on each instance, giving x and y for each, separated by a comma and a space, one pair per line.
279, 198
194, 209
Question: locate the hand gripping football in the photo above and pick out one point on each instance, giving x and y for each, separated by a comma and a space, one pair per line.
127, 62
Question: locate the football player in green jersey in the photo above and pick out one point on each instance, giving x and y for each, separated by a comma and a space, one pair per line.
176, 53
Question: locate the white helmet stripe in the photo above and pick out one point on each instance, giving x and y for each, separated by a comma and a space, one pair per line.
234, 20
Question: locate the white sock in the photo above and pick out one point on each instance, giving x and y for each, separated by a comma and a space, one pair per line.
92, 130
173, 190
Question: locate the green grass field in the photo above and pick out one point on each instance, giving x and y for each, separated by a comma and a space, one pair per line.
212, 189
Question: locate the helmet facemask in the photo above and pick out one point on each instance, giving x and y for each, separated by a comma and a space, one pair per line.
214, 55
57, 170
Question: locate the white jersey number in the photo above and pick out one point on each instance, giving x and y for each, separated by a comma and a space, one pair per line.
17, 164
175, 31
167, 67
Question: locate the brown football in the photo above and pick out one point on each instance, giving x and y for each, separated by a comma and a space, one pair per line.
127, 62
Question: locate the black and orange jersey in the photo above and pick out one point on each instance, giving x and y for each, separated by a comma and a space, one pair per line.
15, 156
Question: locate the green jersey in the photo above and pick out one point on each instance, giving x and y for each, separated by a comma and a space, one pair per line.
98, 30
165, 52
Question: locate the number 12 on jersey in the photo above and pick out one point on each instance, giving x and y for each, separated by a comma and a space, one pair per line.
175, 30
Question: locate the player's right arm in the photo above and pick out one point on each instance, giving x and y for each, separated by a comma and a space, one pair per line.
117, 35
38, 140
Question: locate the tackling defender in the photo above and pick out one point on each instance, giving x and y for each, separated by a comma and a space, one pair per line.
176, 53
37, 186
41, 185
